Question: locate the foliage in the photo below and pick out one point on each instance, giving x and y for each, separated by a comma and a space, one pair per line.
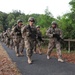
65, 22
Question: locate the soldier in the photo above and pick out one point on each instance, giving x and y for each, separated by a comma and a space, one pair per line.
5, 36
22, 40
29, 32
54, 33
39, 39
17, 38
2, 37
8, 37
11, 40
12, 45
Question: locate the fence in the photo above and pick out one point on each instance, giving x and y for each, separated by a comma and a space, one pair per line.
69, 45
69, 41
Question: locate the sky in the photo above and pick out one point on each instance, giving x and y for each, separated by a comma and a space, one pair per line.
56, 7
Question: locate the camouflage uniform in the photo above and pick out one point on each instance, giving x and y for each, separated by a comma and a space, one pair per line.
29, 33
2, 36
5, 36
8, 37
54, 41
12, 43
22, 40
11, 40
29, 38
39, 40
17, 39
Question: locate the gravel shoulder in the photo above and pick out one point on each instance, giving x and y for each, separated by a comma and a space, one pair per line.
7, 67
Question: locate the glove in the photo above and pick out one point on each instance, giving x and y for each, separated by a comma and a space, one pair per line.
56, 35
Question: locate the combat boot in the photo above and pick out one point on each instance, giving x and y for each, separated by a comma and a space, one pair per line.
60, 60
34, 52
48, 57
40, 52
29, 60
17, 54
21, 54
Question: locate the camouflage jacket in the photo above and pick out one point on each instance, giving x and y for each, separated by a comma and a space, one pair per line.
50, 32
16, 31
29, 32
39, 35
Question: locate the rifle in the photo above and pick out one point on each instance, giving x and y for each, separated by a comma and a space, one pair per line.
58, 38
40, 38
31, 34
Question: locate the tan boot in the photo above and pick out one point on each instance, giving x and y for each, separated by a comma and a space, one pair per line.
21, 54
40, 52
60, 60
48, 57
35, 52
17, 54
29, 60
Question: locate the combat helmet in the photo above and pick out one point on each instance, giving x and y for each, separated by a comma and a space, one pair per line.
37, 26
31, 19
19, 20
54, 23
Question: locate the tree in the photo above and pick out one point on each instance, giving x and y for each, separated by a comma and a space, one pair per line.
3, 22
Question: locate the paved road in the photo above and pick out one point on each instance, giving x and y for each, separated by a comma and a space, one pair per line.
41, 65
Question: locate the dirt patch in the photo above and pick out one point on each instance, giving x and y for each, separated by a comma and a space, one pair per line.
7, 67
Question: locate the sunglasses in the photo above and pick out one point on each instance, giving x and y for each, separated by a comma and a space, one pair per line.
32, 21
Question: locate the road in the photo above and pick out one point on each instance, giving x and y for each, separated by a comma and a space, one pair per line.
40, 66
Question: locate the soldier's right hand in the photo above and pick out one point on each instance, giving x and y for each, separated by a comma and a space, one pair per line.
55, 35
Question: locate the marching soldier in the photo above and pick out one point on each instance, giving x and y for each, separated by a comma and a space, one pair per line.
55, 35
29, 32
12, 43
17, 38
39, 39
2, 36
8, 37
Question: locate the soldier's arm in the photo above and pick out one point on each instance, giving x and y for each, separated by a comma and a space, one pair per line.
13, 31
48, 33
24, 29
61, 34
41, 36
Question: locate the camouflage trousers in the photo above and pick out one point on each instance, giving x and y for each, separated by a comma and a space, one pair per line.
18, 44
11, 42
29, 45
52, 45
2, 39
37, 44
7, 41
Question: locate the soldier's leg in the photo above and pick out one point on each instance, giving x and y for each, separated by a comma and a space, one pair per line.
29, 51
7, 41
39, 47
13, 44
21, 46
58, 47
16, 49
50, 48
34, 50
16, 43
